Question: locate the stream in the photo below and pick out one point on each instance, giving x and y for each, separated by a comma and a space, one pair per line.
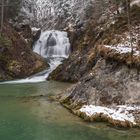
25, 115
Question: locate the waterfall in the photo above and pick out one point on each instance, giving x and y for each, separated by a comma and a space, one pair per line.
54, 46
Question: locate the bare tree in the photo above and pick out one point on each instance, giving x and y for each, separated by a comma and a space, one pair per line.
129, 25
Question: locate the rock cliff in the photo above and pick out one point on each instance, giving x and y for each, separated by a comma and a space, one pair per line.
106, 67
16, 57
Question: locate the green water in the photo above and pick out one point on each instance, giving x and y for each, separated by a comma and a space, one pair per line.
26, 116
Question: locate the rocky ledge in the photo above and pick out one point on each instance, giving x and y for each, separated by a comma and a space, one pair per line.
110, 92
105, 64
122, 115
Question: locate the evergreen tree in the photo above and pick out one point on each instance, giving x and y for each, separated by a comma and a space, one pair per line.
13, 8
10, 8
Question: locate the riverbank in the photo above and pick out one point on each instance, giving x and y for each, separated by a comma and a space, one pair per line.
104, 61
105, 70
26, 115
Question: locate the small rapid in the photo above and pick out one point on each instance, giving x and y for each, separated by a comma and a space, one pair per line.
54, 46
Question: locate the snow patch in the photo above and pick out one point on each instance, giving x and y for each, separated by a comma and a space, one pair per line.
123, 49
120, 113
135, 2
34, 29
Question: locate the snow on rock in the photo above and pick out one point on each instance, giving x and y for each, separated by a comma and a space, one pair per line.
26, 11
52, 10
119, 113
125, 46
34, 29
135, 2
123, 49
50, 14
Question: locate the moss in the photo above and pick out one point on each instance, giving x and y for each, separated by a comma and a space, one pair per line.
5, 41
14, 66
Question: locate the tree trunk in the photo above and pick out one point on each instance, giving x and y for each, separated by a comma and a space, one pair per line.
2, 14
129, 27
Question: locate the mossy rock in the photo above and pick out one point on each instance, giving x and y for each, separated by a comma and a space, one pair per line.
14, 66
17, 59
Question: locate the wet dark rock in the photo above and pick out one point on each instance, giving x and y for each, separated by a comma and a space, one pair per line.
51, 41
75, 67
36, 37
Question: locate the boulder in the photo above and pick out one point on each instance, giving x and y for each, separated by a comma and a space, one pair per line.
17, 59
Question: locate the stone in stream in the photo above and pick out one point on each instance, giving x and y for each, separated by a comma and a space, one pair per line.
51, 41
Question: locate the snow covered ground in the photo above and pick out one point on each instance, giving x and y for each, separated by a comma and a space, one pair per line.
122, 113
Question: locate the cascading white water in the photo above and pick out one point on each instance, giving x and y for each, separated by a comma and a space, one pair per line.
52, 45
